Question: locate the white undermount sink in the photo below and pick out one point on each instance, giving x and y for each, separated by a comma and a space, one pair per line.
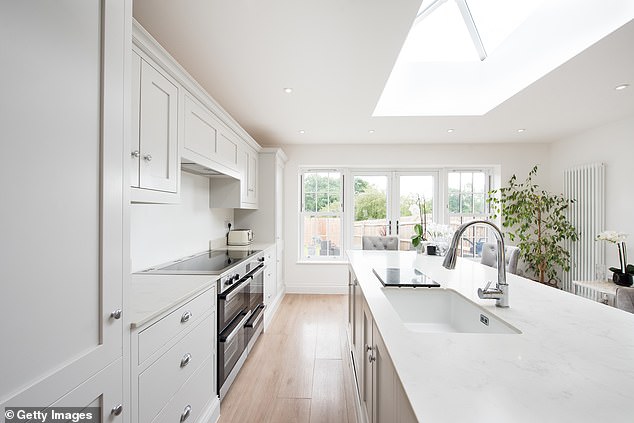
431, 310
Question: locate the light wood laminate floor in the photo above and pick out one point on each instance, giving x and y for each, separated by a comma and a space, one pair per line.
299, 370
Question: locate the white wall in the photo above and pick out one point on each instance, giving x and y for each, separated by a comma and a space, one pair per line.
164, 232
612, 144
512, 158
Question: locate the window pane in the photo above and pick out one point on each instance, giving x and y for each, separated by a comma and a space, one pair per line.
467, 203
322, 202
322, 236
454, 181
309, 202
478, 203
479, 185
370, 207
310, 182
454, 203
466, 182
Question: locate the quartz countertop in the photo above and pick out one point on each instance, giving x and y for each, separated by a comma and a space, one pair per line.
152, 295
573, 361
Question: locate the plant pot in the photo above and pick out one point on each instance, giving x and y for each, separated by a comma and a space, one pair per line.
431, 250
622, 279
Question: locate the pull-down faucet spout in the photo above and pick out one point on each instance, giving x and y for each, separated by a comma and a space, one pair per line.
501, 291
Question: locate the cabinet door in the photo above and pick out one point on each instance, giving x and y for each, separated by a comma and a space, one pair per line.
252, 177
61, 219
404, 412
383, 374
135, 142
270, 279
201, 130
158, 131
366, 358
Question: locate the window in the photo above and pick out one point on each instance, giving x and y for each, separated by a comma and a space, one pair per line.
387, 203
466, 201
321, 235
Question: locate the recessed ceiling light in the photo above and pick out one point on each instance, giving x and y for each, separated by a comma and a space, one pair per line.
621, 87
450, 130
521, 130
371, 131
301, 131
288, 90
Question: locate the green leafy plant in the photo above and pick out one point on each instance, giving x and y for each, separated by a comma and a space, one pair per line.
537, 220
420, 229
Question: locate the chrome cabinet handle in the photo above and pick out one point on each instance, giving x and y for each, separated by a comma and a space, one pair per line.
116, 410
185, 360
186, 413
368, 348
136, 154
186, 316
371, 359
147, 157
116, 314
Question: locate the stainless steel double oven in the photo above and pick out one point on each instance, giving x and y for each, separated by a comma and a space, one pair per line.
240, 287
240, 317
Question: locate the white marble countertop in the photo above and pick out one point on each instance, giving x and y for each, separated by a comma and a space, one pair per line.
152, 295
573, 361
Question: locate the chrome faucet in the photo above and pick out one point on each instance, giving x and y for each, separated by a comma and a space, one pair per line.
501, 291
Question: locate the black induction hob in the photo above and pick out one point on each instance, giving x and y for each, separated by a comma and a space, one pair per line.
212, 262
399, 276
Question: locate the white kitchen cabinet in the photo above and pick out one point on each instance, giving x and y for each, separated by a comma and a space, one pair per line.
207, 141
174, 363
62, 219
381, 395
270, 278
154, 147
267, 221
250, 177
240, 192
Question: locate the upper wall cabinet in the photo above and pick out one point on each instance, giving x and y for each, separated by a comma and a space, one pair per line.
207, 141
154, 147
250, 177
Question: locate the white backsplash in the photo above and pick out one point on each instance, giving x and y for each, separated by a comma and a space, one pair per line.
163, 232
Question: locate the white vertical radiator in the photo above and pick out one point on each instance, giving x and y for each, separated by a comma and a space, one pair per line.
585, 185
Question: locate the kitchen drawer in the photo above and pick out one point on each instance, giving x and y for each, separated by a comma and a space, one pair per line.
166, 375
194, 395
155, 336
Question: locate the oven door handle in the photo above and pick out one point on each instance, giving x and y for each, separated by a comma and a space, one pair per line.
228, 295
260, 313
256, 272
237, 329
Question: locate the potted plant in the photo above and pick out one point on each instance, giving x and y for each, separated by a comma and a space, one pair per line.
537, 220
419, 239
623, 275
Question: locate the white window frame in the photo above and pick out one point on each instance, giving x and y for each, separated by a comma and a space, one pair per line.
340, 214
488, 175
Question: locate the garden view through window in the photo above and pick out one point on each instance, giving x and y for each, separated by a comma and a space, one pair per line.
390, 203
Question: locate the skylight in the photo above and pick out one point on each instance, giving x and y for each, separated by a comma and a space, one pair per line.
465, 57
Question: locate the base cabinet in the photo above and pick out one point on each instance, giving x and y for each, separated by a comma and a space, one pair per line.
174, 364
381, 395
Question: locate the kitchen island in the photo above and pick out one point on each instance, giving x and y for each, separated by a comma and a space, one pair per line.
572, 361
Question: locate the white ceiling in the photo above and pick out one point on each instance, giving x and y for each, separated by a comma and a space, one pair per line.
337, 56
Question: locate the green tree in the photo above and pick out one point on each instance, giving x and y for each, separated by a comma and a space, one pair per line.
370, 204
537, 220
321, 193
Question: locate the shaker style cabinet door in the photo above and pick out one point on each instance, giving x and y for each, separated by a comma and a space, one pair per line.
61, 178
158, 131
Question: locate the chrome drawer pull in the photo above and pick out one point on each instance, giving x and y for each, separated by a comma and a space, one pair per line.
186, 359
186, 413
116, 314
186, 316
